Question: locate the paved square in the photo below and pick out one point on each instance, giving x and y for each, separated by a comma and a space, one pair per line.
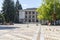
18, 32
29, 32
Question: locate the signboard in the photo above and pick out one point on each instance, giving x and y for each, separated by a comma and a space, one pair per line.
51, 33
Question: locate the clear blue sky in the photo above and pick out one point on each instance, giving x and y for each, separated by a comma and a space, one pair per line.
26, 3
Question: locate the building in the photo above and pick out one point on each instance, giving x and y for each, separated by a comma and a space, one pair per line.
28, 15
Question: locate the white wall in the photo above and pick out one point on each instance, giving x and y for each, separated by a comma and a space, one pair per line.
21, 14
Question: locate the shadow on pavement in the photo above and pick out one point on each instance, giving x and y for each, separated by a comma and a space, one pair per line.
4, 28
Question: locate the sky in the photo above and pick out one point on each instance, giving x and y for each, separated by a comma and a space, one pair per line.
26, 3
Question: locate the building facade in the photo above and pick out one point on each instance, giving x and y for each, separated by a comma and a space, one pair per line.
28, 15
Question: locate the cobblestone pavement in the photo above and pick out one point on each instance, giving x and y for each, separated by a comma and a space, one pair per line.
18, 32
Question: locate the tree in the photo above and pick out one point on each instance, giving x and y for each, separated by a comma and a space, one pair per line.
2, 18
18, 7
49, 10
8, 10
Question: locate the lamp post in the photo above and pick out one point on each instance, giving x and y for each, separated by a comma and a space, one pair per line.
54, 18
27, 24
54, 14
27, 21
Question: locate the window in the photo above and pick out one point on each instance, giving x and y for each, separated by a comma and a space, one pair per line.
33, 12
33, 20
25, 12
33, 16
29, 12
29, 16
25, 16
36, 20
29, 20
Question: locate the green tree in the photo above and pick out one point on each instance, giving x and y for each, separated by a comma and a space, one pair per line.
8, 10
49, 10
18, 7
2, 18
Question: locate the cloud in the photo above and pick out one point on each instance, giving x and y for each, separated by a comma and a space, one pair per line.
24, 5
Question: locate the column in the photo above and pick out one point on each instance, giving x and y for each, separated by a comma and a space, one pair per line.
35, 17
27, 17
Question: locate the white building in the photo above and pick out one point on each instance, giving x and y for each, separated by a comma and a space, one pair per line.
28, 15
21, 16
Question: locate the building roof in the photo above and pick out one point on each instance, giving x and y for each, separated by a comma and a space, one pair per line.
30, 9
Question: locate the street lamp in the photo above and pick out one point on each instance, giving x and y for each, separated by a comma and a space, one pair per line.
54, 18
54, 14
27, 21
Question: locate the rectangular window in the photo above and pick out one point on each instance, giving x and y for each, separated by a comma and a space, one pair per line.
29, 20
25, 12
37, 20
33, 16
33, 12
29, 16
29, 12
25, 16
33, 20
